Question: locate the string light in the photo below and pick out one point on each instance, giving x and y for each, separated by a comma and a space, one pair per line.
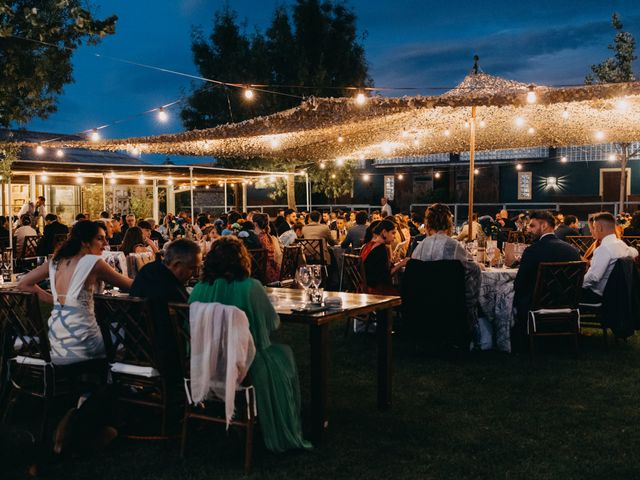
79, 179
622, 105
437, 175
447, 132
163, 116
170, 180
366, 177
207, 186
112, 181
135, 151
531, 95
531, 131
44, 176
565, 114
466, 124
340, 162
340, 139
95, 135
405, 134
400, 176
612, 157
275, 143
563, 159
59, 153
361, 99
476, 171
416, 142
599, 135
333, 175
482, 124
518, 166
248, 94
519, 122
39, 150
141, 179
322, 166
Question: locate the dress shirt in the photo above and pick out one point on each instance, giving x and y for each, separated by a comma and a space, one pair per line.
386, 210
604, 258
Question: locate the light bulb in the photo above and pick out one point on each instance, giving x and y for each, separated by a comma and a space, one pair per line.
519, 122
447, 132
44, 177
366, 177
333, 175
340, 162
482, 124
39, 150
466, 124
207, 186
437, 175
163, 116
386, 148
599, 135
531, 95
400, 176
79, 179
141, 180
612, 157
170, 180
322, 166
135, 151
361, 98
275, 143
248, 94
59, 153
405, 134
563, 159
416, 142
112, 181
518, 166
565, 114
340, 139
476, 171
622, 104
531, 131
95, 135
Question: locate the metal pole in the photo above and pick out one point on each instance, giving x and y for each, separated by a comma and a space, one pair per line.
225, 196
306, 174
193, 220
244, 195
32, 187
472, 158
156, 206
10, 215
104, 193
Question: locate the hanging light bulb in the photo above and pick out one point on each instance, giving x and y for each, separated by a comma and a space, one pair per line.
207, 186
39, 150
387, 148
79, 179
405, 134
366, 177
482, 124
112, 181
599, 135
141, 179
135, 151
612, 157
476, 171
563, 159
340, 139
519, 122
339, 162
622, 104
59, 153
163, 116
333, 175
518, 166
400, 176
248, 94
531, 131
170, 180
322, 166
44, 176
466, 124
95, 135
531, 95
416, 142
361, 99
565, 114
437, 175
447, 132
275, 143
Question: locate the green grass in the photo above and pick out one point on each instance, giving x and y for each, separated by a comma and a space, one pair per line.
491, 416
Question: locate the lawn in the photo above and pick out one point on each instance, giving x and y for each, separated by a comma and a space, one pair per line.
490, 416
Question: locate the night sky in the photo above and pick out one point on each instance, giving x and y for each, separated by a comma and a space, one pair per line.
414, 43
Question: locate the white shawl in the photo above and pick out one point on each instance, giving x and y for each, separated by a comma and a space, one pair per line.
222, 350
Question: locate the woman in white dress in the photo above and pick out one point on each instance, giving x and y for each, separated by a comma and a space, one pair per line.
74, 335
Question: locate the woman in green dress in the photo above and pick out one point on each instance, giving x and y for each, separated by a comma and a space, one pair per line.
226, 280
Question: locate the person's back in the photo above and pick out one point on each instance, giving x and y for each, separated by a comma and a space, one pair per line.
23, 231
53, 228
564, 231
318, 231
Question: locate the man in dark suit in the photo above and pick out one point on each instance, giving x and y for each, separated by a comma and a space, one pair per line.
569, 227
52, 227
546, 248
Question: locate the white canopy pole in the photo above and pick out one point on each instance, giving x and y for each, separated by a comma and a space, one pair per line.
156, 203
225, 196
244, 195
472, 157
10, 215
104, 193
193, 220
308, 183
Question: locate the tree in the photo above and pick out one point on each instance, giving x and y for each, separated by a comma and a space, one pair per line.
34, 74
316, 46
616, 69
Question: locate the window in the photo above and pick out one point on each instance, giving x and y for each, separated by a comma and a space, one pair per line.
389, 186
524, 185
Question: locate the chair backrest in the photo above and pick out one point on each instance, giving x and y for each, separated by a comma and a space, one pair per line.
632, 242
516, 236
353, 277
258, 263
127, 330
27, 330
558, 285
179, 315
291, 258
313, 250
581, 242
30, 246
433, 303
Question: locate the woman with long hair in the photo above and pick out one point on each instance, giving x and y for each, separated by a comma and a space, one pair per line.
375, 257
272, 246
133, 241
75, 338
226, 279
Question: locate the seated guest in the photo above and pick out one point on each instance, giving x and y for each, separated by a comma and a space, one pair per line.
633, 230
319, 231
355, 235
271, 245
226, 279
416, 224
478, 233
147, 230
135, 242
24, 230
51, 228
438, 245
290, 236
129, 221
376, 216
568, 228
155, 236
246, 233
116, 231
504, 221
545, 248
610, 249
163, 281
74, 335
81, 217
375, 258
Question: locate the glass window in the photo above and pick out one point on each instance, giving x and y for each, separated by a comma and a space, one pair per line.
389, 186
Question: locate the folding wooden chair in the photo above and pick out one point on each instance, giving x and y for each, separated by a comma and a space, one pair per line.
554, 306
30, 246
258, 264
313, 250
212, 410
291, 258
127, 329
581, 242
353, 279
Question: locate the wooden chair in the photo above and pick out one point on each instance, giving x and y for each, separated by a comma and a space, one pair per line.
313, 250
554, 306
352, 278
28, 353
516, 236
30, 246
212, 410
127, 329
581, 242
635, 243
291, 258
258, 264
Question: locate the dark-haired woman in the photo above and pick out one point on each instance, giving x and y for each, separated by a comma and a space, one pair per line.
273, 372
375, 257
272, 246
134, 241
633, 230
74, 335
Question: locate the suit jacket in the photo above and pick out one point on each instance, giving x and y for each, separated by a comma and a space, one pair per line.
548, 249
45, 247
315, 231
563, 231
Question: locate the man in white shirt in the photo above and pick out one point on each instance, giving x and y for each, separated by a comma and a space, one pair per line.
24, 230
604, 257
386, 208
35, 211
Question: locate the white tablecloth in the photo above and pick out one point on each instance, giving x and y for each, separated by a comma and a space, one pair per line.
496, 309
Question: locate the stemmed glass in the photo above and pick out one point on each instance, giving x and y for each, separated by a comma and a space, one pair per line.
304, 278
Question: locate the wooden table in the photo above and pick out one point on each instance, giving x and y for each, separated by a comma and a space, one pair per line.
353, 304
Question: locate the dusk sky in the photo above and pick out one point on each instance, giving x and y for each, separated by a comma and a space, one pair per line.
408, 44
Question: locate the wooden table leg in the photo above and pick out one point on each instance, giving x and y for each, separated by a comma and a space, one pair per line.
385, 358
319, 339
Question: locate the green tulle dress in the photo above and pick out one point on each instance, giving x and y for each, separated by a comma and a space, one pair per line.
273, 371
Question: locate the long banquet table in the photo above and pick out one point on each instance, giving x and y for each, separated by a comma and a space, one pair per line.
353, 304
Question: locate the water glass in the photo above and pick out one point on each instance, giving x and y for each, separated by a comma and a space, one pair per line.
316, 295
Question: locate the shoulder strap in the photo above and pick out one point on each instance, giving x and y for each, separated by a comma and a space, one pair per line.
82, 271
52, 280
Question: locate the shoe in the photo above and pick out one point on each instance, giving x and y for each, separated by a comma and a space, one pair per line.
63, 436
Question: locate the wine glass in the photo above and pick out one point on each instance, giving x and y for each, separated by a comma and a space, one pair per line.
316, 277
304, 277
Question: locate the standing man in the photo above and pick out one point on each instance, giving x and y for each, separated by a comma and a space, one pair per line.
35, 211
386, 208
